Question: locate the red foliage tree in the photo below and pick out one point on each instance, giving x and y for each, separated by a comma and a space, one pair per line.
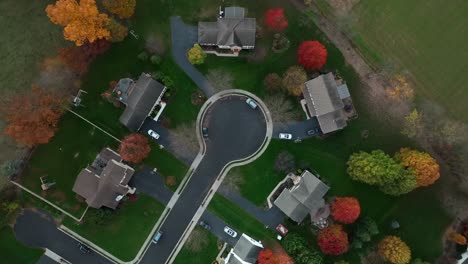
75, 59
279, 256
98, 47
33, 117
134, 148
345, 210
333, 240
275, 19
312, 55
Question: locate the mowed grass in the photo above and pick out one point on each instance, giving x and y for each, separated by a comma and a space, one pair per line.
126, 230
206, 255
74, 146
12, 251
427, 38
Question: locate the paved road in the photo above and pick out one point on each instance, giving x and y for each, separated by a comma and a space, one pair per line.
37, 229
235, 131
183, 38
297, 129
46, 260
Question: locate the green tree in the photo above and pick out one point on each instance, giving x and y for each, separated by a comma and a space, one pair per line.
196, 55
298, 248
118, 31
419, 261
374, 168
404, 183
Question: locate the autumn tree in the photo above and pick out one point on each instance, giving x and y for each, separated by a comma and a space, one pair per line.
422, 164
294, 79
134, 148
82, 21
345, 209
312, 55
404, 183
275, 19
400, 89
413, 124
394, 250
458, 238
272, 82
117, 31
196, 55
122, 8
333, 240
32, 117
268, 256
75, 59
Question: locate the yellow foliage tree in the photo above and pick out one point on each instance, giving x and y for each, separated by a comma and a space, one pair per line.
394, 250
424, 166
400, 89
413, 124
82, 21
117, 30
196, 55
122, 8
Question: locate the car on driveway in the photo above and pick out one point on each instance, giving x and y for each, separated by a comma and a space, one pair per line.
313, 131
285, 136
205, 132
230, 231
83, 248
153, 134
205, 225
157, 237
251, 103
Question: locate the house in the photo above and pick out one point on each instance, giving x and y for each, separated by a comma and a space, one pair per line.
140, 98
304, 197
105, 181
329, 101
231, 32
245, 251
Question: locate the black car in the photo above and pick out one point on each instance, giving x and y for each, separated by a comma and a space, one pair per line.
83, 248
313, 131
205, 225
205, 132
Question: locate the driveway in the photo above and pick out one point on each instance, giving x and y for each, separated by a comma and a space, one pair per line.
183, 38
217, 228
37, 229
297, 129
235, 132
151, 183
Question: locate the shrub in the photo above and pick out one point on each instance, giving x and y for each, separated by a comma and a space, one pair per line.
272, 82
394, 250
294, 79
275, 19
196, 55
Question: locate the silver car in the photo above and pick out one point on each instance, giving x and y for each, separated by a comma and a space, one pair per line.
285, 136
230, 231
153, 134
251, 103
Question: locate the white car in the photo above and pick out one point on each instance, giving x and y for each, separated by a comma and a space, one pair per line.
285, 136
230, 231
153, 134
251, 103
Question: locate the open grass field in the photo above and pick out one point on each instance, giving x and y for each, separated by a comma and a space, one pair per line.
127, 229
427, 38
12, 251
75, 145
206, 255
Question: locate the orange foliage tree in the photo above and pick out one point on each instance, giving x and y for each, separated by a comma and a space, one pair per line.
422, 164
279, 256
117, 30
122, 8
394, 250
32, 117
345, 209
134, 148
333, 240
79, 58
82, 21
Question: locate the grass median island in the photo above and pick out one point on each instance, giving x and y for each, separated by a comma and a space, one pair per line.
205, 252
125, 231
239, 219
12, 251
74, 146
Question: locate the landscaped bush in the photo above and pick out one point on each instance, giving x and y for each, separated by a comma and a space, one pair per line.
280, 43
345, 209
394, 250
363, 231
272, 82
333, 240
196, 55
294, 79
143, 56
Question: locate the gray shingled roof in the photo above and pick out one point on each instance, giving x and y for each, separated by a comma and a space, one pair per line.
304, 198
141, 101
228, 32
102, 189
324, 102
234, 11
246, 250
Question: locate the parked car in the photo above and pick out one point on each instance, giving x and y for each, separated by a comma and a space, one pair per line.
205, 225
251, 103
205, 132
285, 136
83, 248
230, 231
157, 237
313, 131
153, 134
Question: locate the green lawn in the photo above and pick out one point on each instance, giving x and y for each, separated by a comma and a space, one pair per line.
239, 219
126, 231
12, 251
428, 38
206, 255
75, 146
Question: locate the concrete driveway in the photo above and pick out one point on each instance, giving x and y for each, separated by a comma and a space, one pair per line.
236, 131
37, 229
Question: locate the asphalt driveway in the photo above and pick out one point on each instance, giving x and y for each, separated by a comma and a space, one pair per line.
37, 229
235, 132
